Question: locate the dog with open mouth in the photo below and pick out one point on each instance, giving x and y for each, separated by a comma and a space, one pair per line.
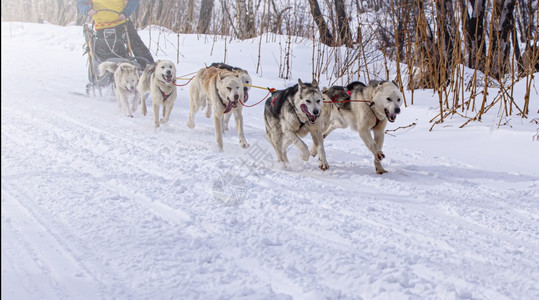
158, 79
293, 113
364, 108
220, 91
245, 79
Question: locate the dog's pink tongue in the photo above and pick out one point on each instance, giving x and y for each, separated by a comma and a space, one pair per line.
228, 107
304, 108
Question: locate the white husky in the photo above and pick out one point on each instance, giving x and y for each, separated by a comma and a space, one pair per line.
369, 109
158, 79
126, 77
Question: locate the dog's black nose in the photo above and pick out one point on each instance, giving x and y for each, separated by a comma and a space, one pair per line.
316, 112
236, 97
169, 72
245, 89
397, 110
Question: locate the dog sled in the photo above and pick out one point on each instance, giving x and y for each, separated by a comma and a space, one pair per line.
106, 45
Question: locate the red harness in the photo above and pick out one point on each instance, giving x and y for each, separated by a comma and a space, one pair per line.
165, 96
333, 99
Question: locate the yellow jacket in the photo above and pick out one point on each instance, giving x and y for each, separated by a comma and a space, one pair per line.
108, 19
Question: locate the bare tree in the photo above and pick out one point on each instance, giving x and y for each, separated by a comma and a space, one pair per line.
325, 34
245, 20
345, 37
503, 27
188, 22
205, 15
446, 32
474, 14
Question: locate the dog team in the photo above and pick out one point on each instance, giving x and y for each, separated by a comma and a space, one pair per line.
289, 114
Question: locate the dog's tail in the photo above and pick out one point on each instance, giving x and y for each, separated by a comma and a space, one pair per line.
107, 66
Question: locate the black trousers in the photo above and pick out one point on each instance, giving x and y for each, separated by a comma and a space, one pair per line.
112, 43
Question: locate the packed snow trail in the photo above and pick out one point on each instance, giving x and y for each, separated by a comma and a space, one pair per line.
99, 206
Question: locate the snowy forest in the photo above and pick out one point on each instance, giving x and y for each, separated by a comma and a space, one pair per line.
457, 48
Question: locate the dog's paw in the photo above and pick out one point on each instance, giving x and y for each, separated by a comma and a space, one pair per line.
244, 144
379, 156
323, 165
305, 155
314, 151
163, 121
143, 110
190, 124
380, 170
130, 116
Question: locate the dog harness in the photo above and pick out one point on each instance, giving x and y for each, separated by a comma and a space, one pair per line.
337, 96
340, 104
165, 96
371, 104
296, 113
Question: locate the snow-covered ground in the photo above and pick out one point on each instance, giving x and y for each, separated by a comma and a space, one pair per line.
96, 205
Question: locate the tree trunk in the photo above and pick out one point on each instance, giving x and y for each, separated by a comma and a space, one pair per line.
446, 33
205, 15
325, 35
345, 37
245, 19
504, 24
187, 26
251, 19
474, 32
425, 48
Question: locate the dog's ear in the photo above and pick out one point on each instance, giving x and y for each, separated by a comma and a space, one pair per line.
395, 83
379, 85
314, 83
125, 68
300, 83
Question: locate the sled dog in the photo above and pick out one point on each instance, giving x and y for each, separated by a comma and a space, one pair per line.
158, 80
245, 79
126, 77
372, 106
292, 113
221, 90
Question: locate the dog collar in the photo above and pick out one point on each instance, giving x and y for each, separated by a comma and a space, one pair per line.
221, 99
